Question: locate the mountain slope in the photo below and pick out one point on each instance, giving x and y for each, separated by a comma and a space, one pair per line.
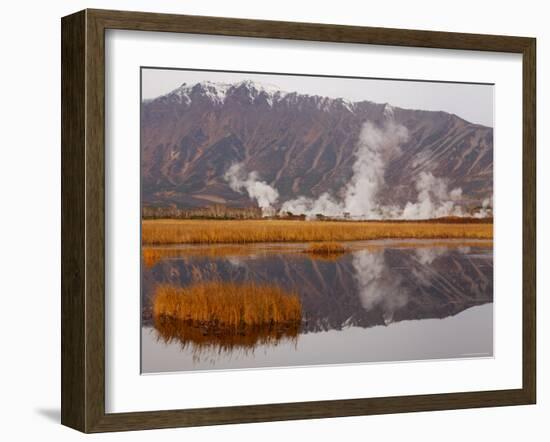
299, 144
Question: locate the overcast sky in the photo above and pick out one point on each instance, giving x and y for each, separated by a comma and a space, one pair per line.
473, 102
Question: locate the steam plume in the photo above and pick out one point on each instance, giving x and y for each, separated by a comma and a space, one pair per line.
376, 146
265, 195
374, 150
434, 199
359, 198
486, 208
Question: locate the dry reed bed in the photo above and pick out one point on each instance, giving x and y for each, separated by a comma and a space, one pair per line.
219, 306
253, 231
326, 251
326, 248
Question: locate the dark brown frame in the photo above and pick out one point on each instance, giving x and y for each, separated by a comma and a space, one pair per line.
83, 217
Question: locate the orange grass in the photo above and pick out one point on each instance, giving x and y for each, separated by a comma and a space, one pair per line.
326, 248
218, 305
253, 231
327, 251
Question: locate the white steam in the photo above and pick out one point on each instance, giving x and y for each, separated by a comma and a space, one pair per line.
434, 199
265, 195
376, 146
427, 255
374, 150
359, 198
486, 209
324, 205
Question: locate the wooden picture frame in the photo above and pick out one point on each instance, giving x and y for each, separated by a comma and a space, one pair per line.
83, 220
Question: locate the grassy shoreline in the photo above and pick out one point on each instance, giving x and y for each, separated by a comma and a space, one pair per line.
159, 232
152, 254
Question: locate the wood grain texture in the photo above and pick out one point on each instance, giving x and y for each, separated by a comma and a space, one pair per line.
529, 220
73, 129
144, 21
83, 220
95, 221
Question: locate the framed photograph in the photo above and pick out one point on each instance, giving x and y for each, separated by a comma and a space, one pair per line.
269, 220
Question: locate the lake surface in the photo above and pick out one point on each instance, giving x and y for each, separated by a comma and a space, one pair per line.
382, 301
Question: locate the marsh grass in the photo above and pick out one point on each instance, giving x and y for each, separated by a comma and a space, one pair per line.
216, 316
329, 251
227, 307
156, 232
326, 248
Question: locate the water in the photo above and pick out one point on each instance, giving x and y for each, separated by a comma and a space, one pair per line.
382, 301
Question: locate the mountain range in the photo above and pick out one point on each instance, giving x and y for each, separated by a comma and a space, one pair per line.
302, 145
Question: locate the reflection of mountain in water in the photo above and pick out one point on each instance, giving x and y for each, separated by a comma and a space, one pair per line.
364, 288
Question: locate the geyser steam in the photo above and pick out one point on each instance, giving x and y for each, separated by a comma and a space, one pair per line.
375, 148
359, 198
434, 199
265, 195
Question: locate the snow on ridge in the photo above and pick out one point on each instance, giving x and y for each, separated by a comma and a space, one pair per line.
217, 92
268, 88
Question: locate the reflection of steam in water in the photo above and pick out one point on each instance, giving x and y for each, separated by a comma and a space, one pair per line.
427, 256
383, 287
235, 261
464, 250
377, 286
206, 343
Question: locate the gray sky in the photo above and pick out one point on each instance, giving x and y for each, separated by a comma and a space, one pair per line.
473, 102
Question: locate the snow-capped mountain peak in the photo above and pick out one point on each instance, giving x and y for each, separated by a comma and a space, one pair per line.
250, 91
267, 88
217, 92
187, 91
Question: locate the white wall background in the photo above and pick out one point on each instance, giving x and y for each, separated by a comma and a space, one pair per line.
30, 221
